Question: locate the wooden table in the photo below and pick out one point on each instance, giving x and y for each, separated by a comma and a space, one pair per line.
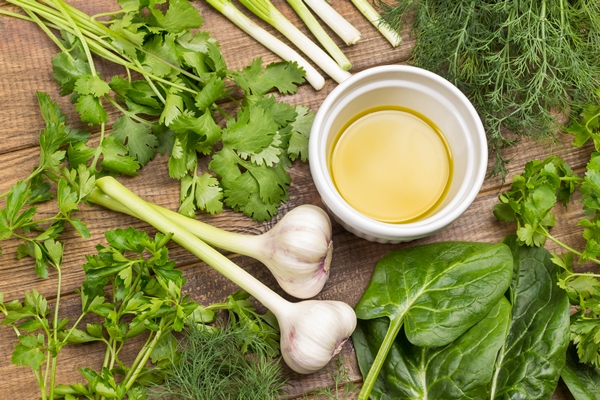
25, 54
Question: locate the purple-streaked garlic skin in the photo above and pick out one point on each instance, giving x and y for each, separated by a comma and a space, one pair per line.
313, 332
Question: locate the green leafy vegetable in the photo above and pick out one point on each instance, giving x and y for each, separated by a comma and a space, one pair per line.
533, 353
437, 292
520, 63
518, 349
144, 298
461, 369
530, 202
19, 218
173, 108
582, 380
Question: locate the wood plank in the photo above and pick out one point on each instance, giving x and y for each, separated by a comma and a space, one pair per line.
25, 67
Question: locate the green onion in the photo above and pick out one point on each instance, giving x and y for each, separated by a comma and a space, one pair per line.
344, 29
271, 15
373, 16
322, 36
312, 331
272, 43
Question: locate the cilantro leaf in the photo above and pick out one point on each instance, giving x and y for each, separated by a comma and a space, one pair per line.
180, 16
253, 130
92, 85
131, 32
213, 90
282, 76
173, 107
137, 137
67, 71
200, 193
116, 157
161, 56
91, 110
298, 142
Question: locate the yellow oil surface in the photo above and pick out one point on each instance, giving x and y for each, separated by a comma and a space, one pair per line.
391, 164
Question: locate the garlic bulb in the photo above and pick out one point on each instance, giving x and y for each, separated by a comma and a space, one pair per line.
297, 250
313, 331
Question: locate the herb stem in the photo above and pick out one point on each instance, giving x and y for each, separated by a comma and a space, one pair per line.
60, 6
384, 349
126, 112
142, 362
566, 246
55, 327
73, 327
99, 148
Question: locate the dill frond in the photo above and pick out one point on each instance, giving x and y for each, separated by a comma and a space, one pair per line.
525, 65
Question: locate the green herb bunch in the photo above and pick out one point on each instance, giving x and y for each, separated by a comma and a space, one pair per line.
530, 203
144, 298
523, 64
231, 359
170, 102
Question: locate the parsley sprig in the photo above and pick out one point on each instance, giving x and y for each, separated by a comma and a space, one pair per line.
169, 101
143, 296
50, 179
530, 203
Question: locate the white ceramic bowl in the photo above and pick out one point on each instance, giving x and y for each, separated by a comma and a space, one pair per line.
421, 91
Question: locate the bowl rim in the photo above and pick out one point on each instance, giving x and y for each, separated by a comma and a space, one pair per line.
466, 193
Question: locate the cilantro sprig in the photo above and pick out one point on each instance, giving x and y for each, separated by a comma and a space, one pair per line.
530, 202
170, 101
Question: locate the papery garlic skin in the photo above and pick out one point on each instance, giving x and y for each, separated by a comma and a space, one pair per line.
298, 251
313, 332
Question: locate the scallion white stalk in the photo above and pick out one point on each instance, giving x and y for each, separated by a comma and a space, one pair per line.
265, 10
375, 18
311, 331
323, 37
344, 29
230, 11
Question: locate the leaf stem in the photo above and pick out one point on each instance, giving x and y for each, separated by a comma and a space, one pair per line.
567, 247
60, 6
130, 380
55, 329
384, 349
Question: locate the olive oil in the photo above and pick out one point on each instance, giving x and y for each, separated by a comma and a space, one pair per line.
391, 164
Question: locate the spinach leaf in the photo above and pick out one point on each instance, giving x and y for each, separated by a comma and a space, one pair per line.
437, 291
459, 370
533, 355
582, 380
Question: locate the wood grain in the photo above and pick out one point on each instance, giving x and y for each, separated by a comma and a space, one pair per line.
25, 55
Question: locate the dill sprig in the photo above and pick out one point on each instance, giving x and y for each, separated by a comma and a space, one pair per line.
524, 64
210, 365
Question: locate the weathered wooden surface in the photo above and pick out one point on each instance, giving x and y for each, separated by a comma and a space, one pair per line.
25, 54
